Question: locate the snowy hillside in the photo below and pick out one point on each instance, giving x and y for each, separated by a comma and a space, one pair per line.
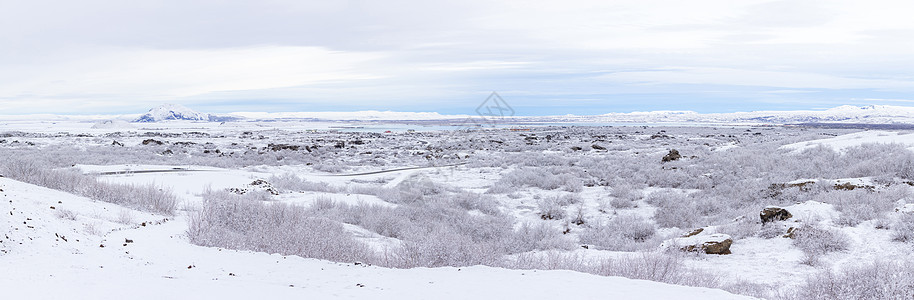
63, 246
167, 112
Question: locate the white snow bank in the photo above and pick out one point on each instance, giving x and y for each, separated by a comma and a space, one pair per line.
812, 212
842, 142
113, 124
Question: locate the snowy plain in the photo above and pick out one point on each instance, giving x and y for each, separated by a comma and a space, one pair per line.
600, 176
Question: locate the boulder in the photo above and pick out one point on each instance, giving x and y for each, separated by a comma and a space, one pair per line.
774, 213
258, 184
693, 232
791, 233
710, 244
673, 155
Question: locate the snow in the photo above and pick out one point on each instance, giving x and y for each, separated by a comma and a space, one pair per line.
812, 212
702, 238
356, 115
871, 114
172, 112
113, 124
842, 142
159, 257
160, 263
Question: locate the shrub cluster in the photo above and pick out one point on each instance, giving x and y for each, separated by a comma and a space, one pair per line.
149, 198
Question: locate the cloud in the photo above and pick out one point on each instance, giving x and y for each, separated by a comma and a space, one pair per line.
143, 74
743, 77
95, 55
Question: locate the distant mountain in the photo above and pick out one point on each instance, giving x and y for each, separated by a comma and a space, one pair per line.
168, 112
846, 114
869, 114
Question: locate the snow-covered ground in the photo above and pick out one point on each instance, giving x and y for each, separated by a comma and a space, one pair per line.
842, 142
50, 255
595, 182
164, 117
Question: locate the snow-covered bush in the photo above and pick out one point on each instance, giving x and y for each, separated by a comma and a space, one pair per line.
878, 280
540, 236
551, 209
290, 182
624, 196
903, 228
815, 241
621, 233
544, 178
149, 198
65, 214
674, 210
660, 267
442, 247
237, 222
860, 205
748, 226
473, 201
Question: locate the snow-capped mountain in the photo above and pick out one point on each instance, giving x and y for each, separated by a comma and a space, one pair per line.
167, 112
869, 114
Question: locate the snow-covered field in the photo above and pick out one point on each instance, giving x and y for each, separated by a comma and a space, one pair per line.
300, 209
54, 257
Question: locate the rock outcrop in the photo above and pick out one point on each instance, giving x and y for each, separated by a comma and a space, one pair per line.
774, 213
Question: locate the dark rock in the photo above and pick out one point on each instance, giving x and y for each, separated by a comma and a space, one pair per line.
152, 142
710, 244
693, 232
773, 213
673, 155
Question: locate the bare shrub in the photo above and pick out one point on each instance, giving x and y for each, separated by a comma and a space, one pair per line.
149, 198
747, 226
903, 228
621, 203
328, 167
624, 196
550, 209
677, 212
622, 233
444, 247
541, 236
90, 228
234, 222
290, 182
472, 201
861, 205
125, 217
65, 214
879, 280
666, 268
579, 217
544, 178
816, 241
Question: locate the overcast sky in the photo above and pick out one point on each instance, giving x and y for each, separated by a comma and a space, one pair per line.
581, 57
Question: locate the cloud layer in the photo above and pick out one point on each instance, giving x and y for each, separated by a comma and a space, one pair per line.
545, 58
